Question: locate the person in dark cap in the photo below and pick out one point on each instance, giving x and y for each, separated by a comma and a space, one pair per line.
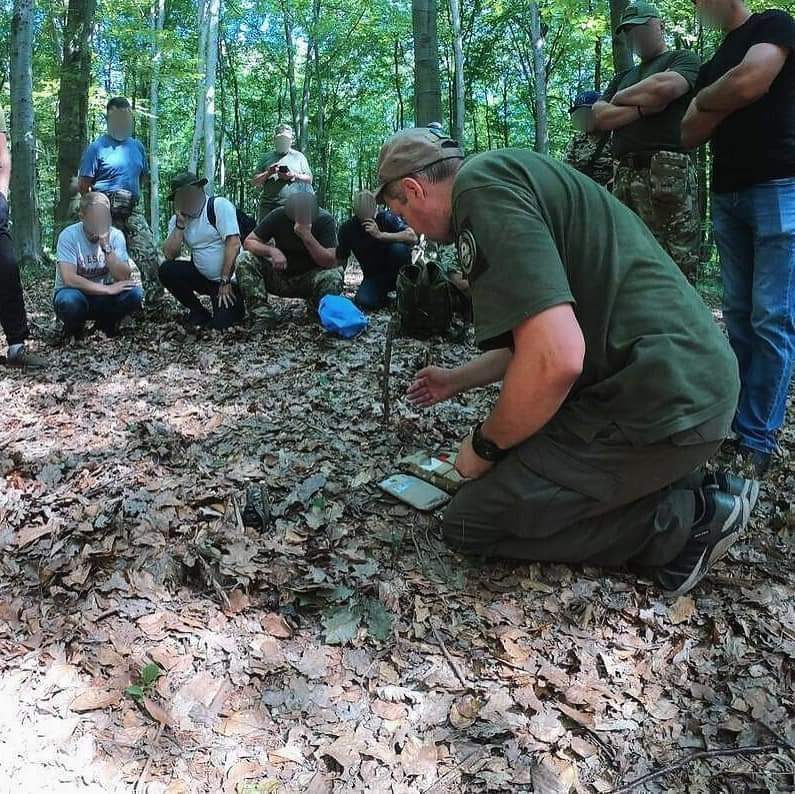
608, 404
208, 229
644, 107
589, 151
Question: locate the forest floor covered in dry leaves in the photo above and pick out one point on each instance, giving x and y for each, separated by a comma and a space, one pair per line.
150, 642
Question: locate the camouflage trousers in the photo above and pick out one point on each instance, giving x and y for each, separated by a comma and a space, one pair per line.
258, 279
143, 251
664, 194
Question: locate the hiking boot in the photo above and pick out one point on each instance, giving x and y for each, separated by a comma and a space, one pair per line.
735, 485
723, 519
755, 463
18, 356
257, 512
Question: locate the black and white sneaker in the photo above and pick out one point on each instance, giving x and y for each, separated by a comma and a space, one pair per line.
735, 485
723, 519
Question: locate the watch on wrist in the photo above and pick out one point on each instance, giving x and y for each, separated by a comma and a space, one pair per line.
106, 249
484, 448
225, 280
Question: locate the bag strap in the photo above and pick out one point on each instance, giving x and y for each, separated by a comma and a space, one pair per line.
211, 211
599, 149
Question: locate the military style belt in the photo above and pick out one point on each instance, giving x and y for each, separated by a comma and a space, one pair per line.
643, 159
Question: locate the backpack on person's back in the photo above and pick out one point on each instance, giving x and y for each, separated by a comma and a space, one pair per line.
245, 222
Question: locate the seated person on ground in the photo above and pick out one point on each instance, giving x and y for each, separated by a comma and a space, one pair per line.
381, 242
208, 228
292, 253
92, 274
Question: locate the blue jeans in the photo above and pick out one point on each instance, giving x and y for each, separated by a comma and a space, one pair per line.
380, 277
755, 234
74, 307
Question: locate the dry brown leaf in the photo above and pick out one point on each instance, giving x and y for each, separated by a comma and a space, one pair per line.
464, 711
344, 750
95, 698
243, 723
158, 713
554, 776
289, 753
276, 626
419, 758
682, 610
387, 710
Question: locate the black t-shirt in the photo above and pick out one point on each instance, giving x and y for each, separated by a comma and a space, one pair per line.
756, 143
278, 227
367, 250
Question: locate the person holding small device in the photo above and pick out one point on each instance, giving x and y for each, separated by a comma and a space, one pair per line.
281, 167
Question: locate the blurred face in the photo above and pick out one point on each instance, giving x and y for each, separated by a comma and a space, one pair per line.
714, 13
582, 119
282, 142
646, 39
120, 123
364, 206
301, 208
426, 207
189, 200
96, 221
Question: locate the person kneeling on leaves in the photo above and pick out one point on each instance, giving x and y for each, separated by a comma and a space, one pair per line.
208, 228
92, 274
292, 253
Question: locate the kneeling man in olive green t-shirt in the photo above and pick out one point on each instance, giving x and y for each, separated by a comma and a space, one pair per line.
617, 385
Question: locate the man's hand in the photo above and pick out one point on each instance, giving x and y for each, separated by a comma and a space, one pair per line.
371, 227
286, 176
302, 230
469, 464
117, 287
278, 259
431, 385
226, 296
104, 242
181, 219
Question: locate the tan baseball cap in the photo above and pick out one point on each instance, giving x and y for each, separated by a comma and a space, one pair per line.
409, 151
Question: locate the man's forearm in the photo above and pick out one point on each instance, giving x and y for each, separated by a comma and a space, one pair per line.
119, 269
231, 251
698, 127
612, 117
255, 246
5, 170
407, 236
484, 370
307, 178
74, 281
172, 245
527, 401
322, 257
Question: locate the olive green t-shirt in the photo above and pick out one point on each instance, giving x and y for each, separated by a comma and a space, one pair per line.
661, 131
274, 190
534, 233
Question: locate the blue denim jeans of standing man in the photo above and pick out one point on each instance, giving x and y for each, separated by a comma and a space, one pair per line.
74, 307
755, 235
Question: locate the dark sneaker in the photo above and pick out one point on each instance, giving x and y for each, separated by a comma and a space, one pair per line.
19, 356
735, 485
257, 512
756, 463
723, 521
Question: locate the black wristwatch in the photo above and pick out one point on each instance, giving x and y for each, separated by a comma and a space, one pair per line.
225, 280
484, 448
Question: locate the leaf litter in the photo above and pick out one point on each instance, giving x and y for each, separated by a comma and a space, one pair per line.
151, 641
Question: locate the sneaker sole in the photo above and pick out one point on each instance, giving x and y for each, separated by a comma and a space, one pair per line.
719, 550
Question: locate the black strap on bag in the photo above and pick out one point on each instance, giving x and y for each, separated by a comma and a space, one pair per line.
245, 223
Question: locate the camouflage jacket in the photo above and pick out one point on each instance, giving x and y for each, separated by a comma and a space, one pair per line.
580, 154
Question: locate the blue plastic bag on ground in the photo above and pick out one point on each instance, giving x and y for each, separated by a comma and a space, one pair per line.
339, 315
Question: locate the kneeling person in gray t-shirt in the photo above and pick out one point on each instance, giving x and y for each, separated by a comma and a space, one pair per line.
212, 237
92, 274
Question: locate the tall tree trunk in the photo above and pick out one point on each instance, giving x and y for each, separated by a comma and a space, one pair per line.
458, 54
158, 19
399, 87
27, 232
201, 60
597, 69
290, 45
622, 55
213, 13
539, 81
73, 101
427, 86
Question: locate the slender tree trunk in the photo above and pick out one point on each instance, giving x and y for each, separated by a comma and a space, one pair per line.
458, 55
27, 232
539, 81
622, 55
506, 119
427, 86
398, 87
597, 69
158, 20
73, 101
213, 13
201, 61
242, 181
290, 45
